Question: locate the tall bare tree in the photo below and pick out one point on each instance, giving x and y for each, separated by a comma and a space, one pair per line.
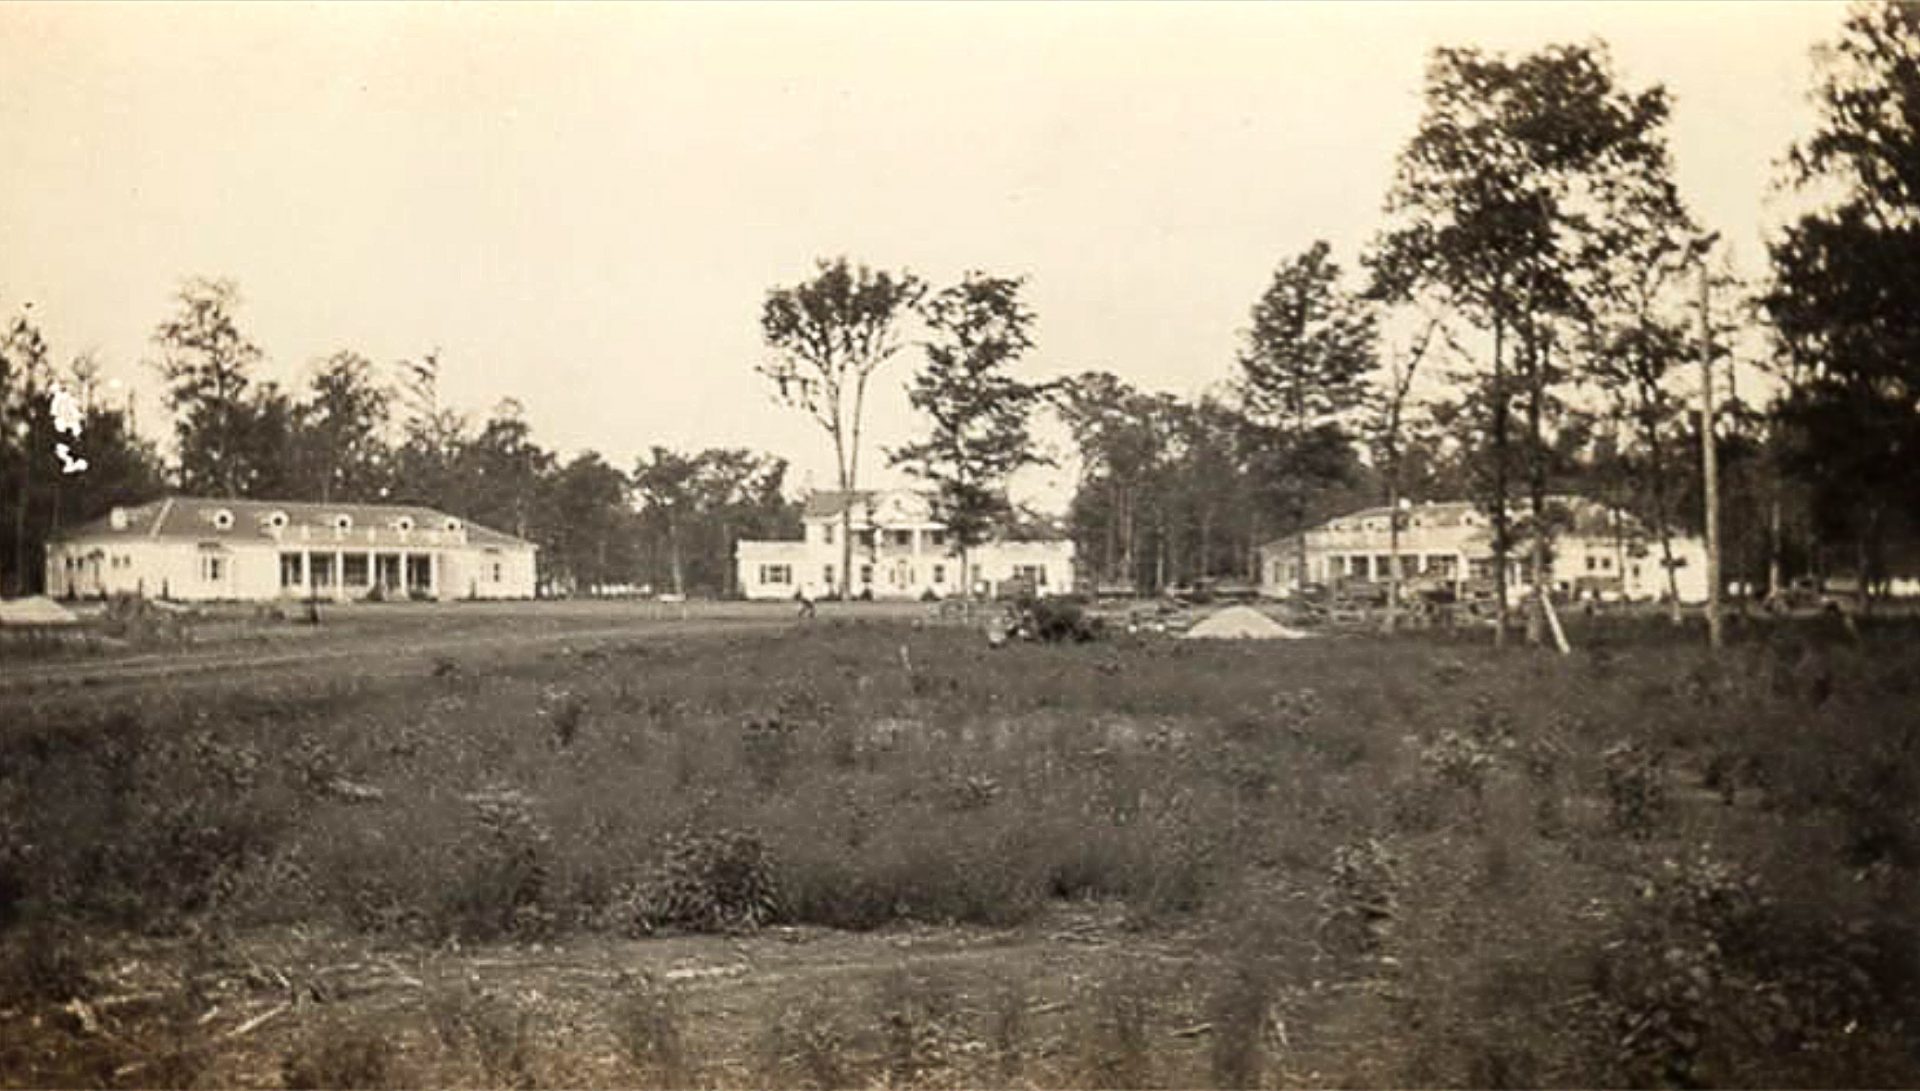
829, 335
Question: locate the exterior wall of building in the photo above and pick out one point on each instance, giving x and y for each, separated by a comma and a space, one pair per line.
187, 571
1452, 542
778, 570
899, 552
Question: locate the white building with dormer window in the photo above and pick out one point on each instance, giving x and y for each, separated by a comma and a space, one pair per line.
1596, 552
900, 551
200, 550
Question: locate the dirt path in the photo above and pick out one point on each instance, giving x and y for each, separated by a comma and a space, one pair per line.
255, 999
386, 654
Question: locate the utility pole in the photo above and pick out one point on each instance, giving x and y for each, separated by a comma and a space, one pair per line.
1711, 463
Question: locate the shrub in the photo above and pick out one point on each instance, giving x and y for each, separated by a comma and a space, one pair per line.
707, 882
564, 712
1362, 898
1636, 788
501, 870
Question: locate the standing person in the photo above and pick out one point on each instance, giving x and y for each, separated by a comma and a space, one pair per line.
806, 603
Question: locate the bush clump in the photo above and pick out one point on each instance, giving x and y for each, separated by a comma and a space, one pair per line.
719, 881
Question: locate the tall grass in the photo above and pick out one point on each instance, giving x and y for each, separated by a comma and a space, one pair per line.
1512, 847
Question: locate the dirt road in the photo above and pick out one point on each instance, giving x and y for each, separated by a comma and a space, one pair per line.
400, 639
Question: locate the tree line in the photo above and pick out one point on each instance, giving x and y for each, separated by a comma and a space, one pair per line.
1530, 319
358, 432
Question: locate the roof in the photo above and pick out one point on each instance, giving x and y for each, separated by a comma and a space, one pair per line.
825, 503
191, 517
885, 506
1583, 517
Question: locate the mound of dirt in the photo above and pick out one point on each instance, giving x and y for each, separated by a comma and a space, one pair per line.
1242, 623
37, 610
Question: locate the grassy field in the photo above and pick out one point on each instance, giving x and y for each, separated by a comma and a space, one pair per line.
608, 849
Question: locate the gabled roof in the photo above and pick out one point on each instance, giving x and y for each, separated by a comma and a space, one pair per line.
826, 503
181, 517
1582, 517
883, 505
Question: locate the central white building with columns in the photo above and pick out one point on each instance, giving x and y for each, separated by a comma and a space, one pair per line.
900, 551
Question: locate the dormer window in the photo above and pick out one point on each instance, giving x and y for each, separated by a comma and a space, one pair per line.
403, 524
450, 525
276, 519
117, 518
343, 522
223, 520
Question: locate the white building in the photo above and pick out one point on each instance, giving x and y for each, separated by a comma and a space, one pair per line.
202, 550
900, 551
1595, 551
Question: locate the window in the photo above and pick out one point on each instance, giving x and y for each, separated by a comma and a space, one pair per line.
937, 537
826, 575
213, 567
900, 537
776, 573
1593, 562
277, 520
223, 520
353, 570
497, 569
450, 525
1035, 574
1606, 564
866, 574
939, 573
403, 524
292, 569
343, 521
826, 536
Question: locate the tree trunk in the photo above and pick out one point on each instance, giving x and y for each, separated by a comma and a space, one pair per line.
1206, 542
673, 558
1867, 552
1300, 550
27, 452
1113, 531
1393, 553
1499, 512
1538, 362
1773, 545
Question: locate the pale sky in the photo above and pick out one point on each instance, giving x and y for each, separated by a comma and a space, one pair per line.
584, 206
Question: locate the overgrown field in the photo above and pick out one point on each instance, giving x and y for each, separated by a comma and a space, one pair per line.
1346, 862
